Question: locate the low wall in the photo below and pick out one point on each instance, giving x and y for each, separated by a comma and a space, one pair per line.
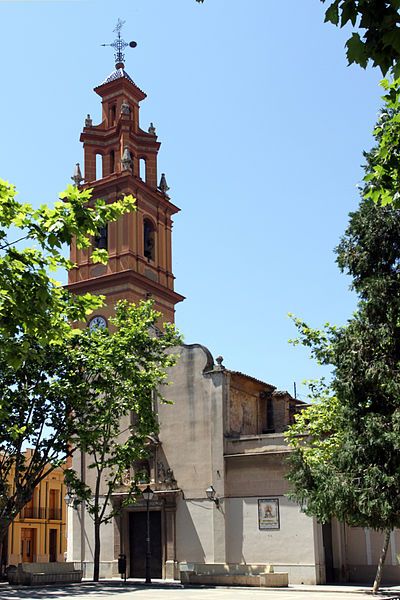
228, 574
264, 580
297, 574
108, 569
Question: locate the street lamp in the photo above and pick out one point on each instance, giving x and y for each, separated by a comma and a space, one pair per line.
148, 495
70, 498
212, 495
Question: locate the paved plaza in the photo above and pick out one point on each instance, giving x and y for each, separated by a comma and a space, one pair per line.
130, 591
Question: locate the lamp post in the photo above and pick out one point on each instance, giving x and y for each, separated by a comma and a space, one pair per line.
148, 495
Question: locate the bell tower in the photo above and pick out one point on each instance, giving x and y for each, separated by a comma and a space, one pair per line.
120, 158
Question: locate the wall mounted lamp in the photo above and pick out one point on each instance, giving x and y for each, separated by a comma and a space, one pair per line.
212, 495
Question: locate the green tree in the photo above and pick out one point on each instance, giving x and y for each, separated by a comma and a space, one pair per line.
379, 21
345, 462
35, 404
33, 306
117, 372
383, 176
346, 459
36, 312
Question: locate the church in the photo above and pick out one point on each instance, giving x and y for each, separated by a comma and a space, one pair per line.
217, 466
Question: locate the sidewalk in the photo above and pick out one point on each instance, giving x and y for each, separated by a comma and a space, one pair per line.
338, 588
134, 589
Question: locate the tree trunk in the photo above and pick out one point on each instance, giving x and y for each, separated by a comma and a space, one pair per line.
2, 565
96, 554
378, 576
3, 538
97, 523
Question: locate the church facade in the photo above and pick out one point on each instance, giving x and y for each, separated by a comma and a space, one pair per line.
217, 466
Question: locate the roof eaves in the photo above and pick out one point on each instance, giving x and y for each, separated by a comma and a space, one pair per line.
118, 74
250, 377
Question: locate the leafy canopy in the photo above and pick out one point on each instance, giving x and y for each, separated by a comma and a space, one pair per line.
37, 401
380, 40
383, 177
33, 305
346, 460
36, 404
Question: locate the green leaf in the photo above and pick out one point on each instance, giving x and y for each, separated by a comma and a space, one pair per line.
392, 38
349, 12
332, 13
99, 256
356, 51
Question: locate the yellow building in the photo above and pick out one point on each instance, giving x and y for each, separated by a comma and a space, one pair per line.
38, 534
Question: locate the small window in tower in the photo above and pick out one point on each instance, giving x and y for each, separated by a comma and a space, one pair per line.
149, 239
99, 166
112, 161
142, 169
101, 239
112, 115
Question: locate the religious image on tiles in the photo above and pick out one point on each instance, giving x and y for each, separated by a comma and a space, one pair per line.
268, 513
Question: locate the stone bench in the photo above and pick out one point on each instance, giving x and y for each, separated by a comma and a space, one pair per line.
241, 575
44, 573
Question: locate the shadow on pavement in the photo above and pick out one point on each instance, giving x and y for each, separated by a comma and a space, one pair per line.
103, 588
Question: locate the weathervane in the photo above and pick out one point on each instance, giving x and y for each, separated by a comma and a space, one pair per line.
119, 45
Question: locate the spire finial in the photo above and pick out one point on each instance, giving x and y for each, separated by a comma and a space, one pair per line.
220, 366
163, 185
77, 176
119, 45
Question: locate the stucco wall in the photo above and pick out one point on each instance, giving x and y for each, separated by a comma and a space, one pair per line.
194, 527
81, 549
290, 548
256, 475
291, 543
186, 426
363, 548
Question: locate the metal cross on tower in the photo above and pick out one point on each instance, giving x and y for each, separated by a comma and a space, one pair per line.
119, 45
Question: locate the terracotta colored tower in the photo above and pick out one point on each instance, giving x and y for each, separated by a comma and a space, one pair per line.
140, 243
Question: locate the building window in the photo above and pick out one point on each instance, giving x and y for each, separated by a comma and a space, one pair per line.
101, 239
142, 169
99, 167
149, 239
54, 505
112, 114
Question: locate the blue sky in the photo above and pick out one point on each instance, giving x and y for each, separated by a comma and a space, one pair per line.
262, 127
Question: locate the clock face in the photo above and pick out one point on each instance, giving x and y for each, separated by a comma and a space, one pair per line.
98, 321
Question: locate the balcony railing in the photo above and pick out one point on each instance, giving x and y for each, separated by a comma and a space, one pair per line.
33, 512
54, 514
